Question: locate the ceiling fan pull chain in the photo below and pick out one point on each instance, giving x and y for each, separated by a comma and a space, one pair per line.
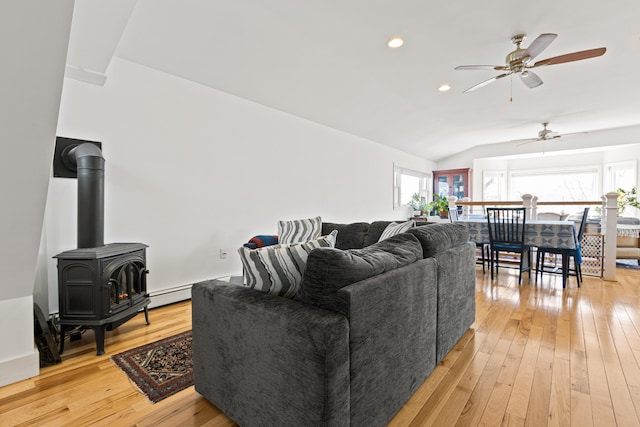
511, 89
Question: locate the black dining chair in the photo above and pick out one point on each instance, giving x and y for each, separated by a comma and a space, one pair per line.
566, 255
506, 234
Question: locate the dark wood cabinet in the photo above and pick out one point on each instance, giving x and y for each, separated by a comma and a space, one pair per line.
452, 182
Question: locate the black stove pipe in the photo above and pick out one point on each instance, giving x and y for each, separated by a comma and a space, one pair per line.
90, 166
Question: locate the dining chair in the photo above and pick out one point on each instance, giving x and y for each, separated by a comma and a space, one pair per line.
550, 216
566, 255
481, 258
506, 234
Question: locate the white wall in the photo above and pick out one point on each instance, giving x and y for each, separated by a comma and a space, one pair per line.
33, 49
191, 170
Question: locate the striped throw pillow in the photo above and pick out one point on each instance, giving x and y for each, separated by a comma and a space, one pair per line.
299, 230
395, 228
278, 269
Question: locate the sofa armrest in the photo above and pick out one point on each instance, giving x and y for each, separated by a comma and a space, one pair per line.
268, 360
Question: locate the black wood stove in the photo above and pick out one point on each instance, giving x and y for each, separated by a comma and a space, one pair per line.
99, 286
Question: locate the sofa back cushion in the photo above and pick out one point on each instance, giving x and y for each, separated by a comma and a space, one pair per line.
439, 237
356, 235
330, 269
350, 236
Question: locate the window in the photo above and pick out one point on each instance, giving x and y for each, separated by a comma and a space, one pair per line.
407, 182
619, 175
494, 186
577, 184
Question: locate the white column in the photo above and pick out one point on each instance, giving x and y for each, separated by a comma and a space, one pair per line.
452, 202
452, 207
534, 207
526, 203
609, 228
466, 210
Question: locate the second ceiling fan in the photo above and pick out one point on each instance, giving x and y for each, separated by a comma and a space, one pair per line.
520, 61
544, 135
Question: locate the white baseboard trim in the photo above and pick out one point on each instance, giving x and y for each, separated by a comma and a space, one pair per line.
169, 296
20, 368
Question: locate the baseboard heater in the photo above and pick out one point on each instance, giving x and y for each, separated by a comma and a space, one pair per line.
170, 290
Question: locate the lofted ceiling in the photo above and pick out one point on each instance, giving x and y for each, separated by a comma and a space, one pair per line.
328, 62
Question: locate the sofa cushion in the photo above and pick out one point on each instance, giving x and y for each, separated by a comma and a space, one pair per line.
395, 228
330, 269
628, 220
439, 237
350, 236
278, 269
299, 230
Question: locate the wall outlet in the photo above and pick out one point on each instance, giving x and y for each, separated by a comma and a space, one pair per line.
223, 253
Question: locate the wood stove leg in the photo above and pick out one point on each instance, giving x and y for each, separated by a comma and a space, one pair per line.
98, 331
146, 315
61, 339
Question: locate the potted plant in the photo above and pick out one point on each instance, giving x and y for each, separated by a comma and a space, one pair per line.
627, 198
415, 204
440, 206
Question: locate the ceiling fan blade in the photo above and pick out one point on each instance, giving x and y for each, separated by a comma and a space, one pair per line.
481, 67
570, 57
565, 135
525, 141
486, 82
531, 79
538, 45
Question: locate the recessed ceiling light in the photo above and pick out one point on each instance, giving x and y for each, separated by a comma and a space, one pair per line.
445, 87
395, 42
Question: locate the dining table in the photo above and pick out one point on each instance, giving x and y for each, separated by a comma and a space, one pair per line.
537, 233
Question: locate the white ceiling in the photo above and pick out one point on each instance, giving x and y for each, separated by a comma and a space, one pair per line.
327, 61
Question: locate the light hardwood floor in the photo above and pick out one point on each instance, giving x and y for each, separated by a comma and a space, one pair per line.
536, 355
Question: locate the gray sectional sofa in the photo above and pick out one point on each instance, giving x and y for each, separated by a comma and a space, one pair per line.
370, 323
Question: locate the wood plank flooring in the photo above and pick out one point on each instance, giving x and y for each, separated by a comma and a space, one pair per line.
535, 356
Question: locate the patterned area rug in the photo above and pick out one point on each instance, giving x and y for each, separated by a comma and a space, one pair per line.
159, 369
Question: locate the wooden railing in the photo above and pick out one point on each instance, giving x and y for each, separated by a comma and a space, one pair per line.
530, 203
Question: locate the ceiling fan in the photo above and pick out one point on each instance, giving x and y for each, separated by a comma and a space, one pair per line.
544, 135
520, 62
